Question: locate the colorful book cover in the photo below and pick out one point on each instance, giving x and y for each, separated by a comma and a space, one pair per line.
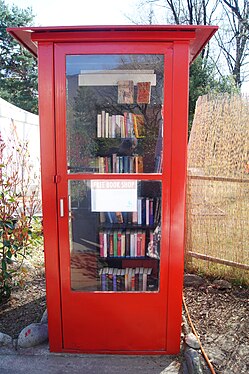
139, 126
143, 92
125, 92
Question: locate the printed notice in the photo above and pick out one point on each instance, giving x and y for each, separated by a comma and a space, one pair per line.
113, 195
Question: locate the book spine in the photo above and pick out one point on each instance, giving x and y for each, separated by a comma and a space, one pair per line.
127, 243
113, 126
123, 245
101, 243
105, 244
119, 243
132, 244
143, 235
115, 243
107, 125
98, 125
151, 210
115, 279
147, 211
139, 211
139, 243
111, 249
103, 124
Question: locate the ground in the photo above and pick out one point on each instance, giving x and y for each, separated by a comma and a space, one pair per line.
221, 317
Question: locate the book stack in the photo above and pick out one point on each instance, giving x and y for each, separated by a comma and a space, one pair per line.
128, 125
120, 164
128, 279
148, 213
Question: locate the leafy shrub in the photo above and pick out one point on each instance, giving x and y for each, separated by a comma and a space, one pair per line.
19, 203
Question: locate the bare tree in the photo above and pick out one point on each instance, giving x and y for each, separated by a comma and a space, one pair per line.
234, 38
232, 16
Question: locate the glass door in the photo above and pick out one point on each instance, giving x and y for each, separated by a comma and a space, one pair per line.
114, 126
110, 161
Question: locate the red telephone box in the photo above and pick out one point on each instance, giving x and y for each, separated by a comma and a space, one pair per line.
113, 105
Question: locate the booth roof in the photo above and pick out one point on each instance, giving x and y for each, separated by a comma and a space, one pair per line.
198, 35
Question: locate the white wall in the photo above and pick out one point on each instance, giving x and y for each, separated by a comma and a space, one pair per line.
26, 128
26, 124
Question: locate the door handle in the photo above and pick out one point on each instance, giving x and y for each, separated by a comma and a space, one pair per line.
61, 208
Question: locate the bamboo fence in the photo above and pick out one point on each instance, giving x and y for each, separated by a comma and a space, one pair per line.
217, 229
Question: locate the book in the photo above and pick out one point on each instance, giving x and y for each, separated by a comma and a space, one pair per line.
123, 244
127, 243
115, 243
101, 243
143, 92
99, 125
119, 243
107, 125
115, 272
139, 126
147, 214
125, 92
103, 124
151, 211
111, 247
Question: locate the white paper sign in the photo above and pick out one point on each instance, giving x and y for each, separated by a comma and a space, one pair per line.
114, 195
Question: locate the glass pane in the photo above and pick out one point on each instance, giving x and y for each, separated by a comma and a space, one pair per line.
114, 113
115, 232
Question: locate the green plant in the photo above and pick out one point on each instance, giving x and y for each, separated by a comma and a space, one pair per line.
18, 206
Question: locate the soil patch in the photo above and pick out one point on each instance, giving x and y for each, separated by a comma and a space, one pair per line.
27, 303
221, 318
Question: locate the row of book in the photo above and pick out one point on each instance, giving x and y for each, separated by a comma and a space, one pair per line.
148, 213
128, 279
120, 164
128, 125
125, 243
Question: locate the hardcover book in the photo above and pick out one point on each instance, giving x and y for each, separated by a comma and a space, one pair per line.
143, 92
125, 92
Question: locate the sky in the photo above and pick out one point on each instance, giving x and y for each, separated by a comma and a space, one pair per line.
78, 12
84, 12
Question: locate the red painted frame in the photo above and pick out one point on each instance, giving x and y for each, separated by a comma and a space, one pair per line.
181, 44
